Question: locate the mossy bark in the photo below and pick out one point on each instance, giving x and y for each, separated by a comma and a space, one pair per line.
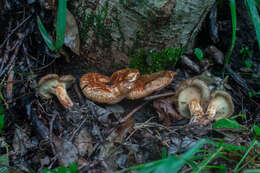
126, 25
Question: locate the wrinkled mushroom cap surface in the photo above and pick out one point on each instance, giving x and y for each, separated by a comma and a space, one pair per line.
110, 90
223, 103
188, 90
147, 84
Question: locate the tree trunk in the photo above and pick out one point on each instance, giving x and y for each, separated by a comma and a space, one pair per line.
114, 27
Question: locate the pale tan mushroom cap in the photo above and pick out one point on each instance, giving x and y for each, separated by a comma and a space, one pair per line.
68, 80
188, 90
220, 106
45, 84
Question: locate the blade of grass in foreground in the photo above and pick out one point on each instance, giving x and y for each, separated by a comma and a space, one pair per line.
244, 156
61, 23
253, 13
47, 39
232, 4
171, 164
205, 162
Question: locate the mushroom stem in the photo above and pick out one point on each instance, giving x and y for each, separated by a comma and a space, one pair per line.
63, 96
195, 108
211, 111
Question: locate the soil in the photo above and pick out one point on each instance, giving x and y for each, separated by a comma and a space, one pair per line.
139, 140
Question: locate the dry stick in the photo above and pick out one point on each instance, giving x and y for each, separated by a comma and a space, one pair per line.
12, 60
76, 130
153, 97
76, 88
51, 129
13, 31
130, 114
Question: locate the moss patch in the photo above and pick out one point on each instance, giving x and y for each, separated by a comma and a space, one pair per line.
150, 61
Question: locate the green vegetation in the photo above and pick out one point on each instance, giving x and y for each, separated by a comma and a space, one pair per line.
199, 54
72, 169
234, 28
60, 28
4, 161
246, 55
97, 22
252, 6
149, 61
198, 159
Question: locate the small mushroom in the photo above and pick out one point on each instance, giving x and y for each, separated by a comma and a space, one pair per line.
53, 84
220, 105
191, 97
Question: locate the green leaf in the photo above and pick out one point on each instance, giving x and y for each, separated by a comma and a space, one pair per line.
4, 164
248, 64
73, 167
228, 147
232, 4
2, 118
227, 123
257, 130
253, 13
199, 54
164, 153
61, 23
252, 171
46, 37
173, 163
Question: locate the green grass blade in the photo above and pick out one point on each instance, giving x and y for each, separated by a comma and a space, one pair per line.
244, 156
2, 118
252, 171
232, 4
171, 164
175, 164
253, 13
61, 23
46, 37
204, 163
258, 4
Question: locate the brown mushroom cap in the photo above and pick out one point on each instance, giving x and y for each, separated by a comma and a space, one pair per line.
147, 84
220, 105
189, 90
53, 84
110, 90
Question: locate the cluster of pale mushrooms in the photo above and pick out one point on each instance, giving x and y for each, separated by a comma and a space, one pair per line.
193, 98
195, 101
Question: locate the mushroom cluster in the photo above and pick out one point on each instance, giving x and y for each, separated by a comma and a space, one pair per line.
195, 101
125, 83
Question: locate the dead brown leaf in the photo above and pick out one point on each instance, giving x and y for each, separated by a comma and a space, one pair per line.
166, 112
71, 39
84, 143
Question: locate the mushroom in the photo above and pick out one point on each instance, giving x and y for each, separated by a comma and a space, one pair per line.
191, 97
147, 84
110, 90
220, 105
53, 84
